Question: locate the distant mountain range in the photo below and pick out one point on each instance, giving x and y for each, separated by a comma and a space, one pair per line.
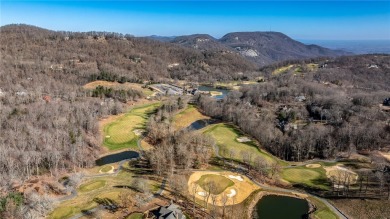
260, 47
355, 46
199, 57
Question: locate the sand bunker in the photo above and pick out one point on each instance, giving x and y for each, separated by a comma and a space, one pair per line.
138, 132
338, 186
341, 174
232, 193
203, 194
243, 139
216, 93
386, 155
239, 178
345, 169
315, 165
107, 136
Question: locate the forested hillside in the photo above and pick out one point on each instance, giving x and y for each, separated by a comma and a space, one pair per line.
315, 108
48, 123
85, 54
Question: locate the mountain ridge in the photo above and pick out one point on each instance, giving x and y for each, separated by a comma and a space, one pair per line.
135, 58
261, 47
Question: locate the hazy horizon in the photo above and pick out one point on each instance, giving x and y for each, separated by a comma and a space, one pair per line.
304, 20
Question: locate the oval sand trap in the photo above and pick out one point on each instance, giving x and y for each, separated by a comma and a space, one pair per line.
239, 178
203, 194
243, 139
314, 165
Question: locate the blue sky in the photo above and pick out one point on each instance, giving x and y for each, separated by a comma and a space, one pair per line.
333, 20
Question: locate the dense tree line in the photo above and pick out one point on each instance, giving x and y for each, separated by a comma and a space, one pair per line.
121, 95
107, 76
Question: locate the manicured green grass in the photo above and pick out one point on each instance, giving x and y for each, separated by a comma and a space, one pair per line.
135, 216
67, 211
93, 185
119, 134
105, 169
322, 212
325, 214
311, 177
221, 183
62, 212
226, 138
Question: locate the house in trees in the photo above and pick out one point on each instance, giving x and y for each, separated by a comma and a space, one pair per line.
386, 102
169, 212
300, 98
373, 66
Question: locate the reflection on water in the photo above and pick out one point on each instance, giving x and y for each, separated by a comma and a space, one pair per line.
281, 207
113, 158
207, 88
199, 124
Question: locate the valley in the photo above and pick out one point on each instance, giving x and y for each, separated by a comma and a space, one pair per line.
116, 126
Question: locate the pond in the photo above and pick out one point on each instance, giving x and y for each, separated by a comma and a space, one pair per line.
199, 124
113, 158
281, 207
208, 88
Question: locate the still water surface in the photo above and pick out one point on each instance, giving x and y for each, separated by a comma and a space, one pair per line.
113, 158
281, 207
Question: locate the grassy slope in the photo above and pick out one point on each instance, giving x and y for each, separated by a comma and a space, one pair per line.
187, 116
322, 212
121, 133
226, 137
92, 185
311, 177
